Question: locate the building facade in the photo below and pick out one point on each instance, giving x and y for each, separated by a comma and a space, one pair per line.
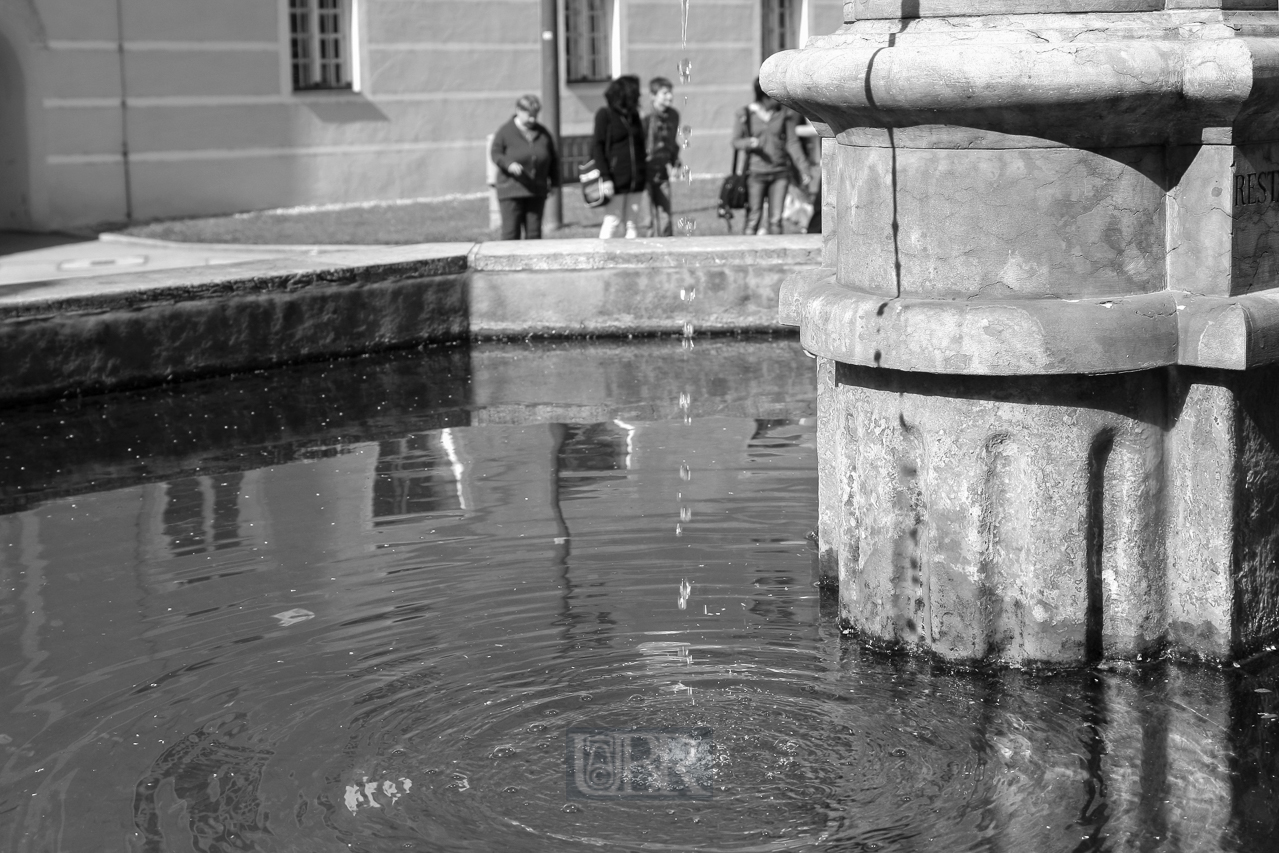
131, 110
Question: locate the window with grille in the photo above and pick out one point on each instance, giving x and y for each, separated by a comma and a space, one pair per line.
588, 29
320, 49
781, 26
574, 151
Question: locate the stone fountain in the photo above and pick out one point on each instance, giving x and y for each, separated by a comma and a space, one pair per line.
1046, 323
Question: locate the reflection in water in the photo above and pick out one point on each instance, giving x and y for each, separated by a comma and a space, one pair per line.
586, 457
217, 783
1254, 759
416, 476
202, 513
333, 639
590, 453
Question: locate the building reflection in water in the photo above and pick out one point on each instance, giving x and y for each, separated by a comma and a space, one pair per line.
779, 596
202, 513
1188, 758
584, 457
417, 476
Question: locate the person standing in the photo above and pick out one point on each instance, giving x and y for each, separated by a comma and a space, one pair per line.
766, 131
528, 168
661, 137
618, 149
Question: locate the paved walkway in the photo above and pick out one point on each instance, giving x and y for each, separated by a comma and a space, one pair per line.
26, 259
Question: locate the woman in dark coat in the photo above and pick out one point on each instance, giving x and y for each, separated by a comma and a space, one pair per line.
527, 169
618, 150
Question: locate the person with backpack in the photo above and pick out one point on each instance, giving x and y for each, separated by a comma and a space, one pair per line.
766, 131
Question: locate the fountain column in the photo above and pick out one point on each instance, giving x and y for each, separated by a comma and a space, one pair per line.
1046, 322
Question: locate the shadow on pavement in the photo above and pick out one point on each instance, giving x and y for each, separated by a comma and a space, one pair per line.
12, 242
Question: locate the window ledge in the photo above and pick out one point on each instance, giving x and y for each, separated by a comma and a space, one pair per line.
327, 94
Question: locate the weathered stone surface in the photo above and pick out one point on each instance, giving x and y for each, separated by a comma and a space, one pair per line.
591, 254
1200, 471
994, 337
128, 347
861, 10
1082, 80
89, 334
1002, 519
113, 292
1054, 519
626, 300
1020, 223
1047, 430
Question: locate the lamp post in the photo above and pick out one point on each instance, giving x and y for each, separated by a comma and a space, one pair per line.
552, 217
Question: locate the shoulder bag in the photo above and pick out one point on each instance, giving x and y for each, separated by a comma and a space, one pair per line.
733, 193
592, 178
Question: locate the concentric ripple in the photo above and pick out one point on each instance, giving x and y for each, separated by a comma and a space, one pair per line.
380, 645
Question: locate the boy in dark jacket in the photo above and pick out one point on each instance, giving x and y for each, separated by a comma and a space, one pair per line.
661, 135
527, 169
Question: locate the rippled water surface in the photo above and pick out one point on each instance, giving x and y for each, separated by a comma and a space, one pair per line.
357, 606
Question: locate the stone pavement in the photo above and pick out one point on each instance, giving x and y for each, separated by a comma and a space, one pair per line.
29, 258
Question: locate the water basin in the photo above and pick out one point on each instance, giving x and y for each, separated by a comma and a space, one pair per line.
357, 606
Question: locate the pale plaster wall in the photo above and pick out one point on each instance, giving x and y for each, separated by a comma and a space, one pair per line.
212, 125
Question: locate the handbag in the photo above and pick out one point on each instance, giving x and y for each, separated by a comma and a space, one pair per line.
592, 184
592, 179
732, 193
798, 208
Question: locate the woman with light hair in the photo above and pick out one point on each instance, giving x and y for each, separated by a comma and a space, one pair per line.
528, 168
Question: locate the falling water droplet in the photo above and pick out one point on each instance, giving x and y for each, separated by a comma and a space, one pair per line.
683, 295
685, 70
687, 225
686, 174
679, 530
688, 328
685, 473
685, 400
685, 590
687, 344
692, 294
684, 135
683, 16
685, 514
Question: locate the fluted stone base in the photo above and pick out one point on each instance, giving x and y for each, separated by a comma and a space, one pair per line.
1053, 519
1047, 320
